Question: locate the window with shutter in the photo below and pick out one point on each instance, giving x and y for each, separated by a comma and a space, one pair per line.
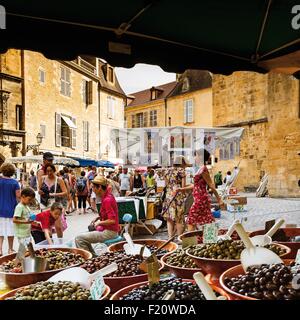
153, 118
65, 81
73, 135
58, 129
188, 111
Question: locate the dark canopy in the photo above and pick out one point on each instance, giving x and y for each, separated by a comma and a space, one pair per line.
215, 35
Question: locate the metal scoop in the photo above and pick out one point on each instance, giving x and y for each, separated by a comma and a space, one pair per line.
264, 239
254, 256
80, 275
33, 263
132, 248
229, 232
205, 288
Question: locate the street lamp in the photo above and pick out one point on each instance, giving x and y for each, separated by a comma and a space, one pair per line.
39, 140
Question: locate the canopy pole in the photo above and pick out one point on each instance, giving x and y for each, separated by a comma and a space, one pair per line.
262, 30
126, 25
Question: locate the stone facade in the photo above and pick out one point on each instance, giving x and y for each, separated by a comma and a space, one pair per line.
192, 88
267, 107
202, 102
46, 100
11, 107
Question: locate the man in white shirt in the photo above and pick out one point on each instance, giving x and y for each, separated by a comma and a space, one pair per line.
124, 180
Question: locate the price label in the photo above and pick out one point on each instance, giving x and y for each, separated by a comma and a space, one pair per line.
189, 241
210, 233
153, 272
97, 288
297, 260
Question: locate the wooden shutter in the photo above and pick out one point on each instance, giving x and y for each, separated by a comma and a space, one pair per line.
73, 135
185, 107
62, 81
90, 92
132, 121
145, 118
57, 129
190, 111
68, 83
84, 88
113, 108
87, 136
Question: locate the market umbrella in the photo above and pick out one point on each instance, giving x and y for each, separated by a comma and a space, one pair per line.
39, 159
215, 35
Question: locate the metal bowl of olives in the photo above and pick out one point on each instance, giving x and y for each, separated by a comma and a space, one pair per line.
152, 244
45, 290
179, 263
289, 235
17, 280
267, 282
214, 259
157, 294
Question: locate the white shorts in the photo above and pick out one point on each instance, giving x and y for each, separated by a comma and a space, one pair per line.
7, 227
93, 195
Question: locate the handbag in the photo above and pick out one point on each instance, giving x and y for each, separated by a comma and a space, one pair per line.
52, 200
91, 226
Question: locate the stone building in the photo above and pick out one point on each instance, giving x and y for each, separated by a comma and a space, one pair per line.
12, 134
184, 102
73, 105
267, 106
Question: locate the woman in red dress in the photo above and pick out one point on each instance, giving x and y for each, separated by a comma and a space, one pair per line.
200, 212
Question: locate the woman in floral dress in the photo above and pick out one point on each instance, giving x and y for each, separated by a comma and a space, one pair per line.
174, 212
200, 212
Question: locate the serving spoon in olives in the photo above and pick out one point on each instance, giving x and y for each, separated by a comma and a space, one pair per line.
265, 239
254, 256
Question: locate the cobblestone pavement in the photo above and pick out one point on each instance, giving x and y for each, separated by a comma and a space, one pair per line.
258, 211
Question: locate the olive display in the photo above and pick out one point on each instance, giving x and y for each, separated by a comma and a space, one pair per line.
46, 290
226, 250
180, 259
152, 248
57, 259
183, 291
267, 282
127, 265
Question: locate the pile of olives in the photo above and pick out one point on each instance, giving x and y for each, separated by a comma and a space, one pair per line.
57, 259
223, 249
183, 291
127, 265
267, 282
180, 259
46, 290
227, 250
152, 248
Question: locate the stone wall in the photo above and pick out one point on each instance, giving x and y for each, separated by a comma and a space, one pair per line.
267, 107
